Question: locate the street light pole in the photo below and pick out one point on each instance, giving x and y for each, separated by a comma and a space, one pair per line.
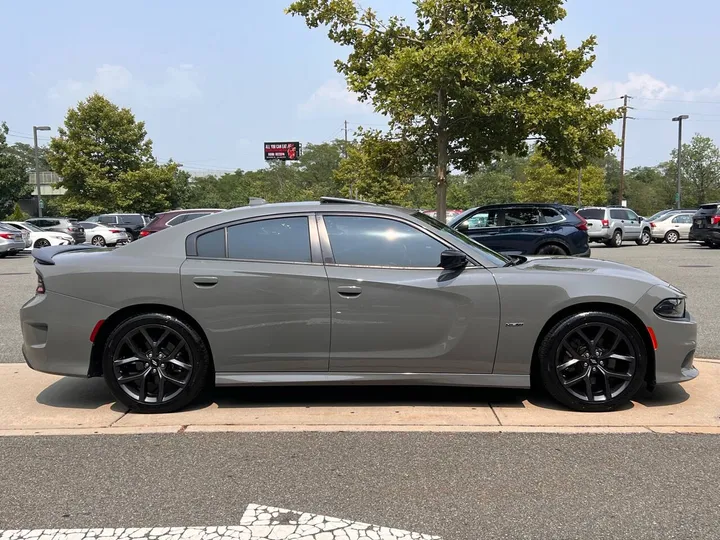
37, 166
679, 120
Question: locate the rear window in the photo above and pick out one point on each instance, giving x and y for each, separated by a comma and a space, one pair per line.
707, 208
592, 213
133, 219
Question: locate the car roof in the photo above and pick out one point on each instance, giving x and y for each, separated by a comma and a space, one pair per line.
523, 205
189, 211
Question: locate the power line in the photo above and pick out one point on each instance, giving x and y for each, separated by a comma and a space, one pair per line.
605, 100
680, 100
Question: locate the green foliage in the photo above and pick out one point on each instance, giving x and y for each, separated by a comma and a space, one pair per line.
13, 176
26, 154
648, 190
700, 177
470, 79
17, 214
376, 169
546, 183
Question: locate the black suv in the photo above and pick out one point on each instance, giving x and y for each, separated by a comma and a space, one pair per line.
526, 229
132, 223
706, 225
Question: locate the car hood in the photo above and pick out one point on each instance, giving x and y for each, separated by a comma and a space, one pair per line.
577, 265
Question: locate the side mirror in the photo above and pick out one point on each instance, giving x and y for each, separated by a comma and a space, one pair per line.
452, 259
463, 227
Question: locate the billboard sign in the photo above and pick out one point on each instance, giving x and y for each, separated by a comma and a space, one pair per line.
283, 151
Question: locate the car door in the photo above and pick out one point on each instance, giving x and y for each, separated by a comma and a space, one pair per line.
484, 227
619, 220
259, 290
635, 224
682, 224
394, 310
521, 231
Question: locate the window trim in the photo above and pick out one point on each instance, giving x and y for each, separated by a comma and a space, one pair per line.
329, 258
315, 251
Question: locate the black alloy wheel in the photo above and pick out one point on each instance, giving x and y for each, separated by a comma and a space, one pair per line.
98, 241
551, 249
41, 243
593, 361
644, 239
155, 363
672, 237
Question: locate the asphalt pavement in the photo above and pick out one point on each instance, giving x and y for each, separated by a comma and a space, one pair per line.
458, 486
694, 269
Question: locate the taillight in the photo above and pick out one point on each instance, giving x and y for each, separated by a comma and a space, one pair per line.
652, 224
115, 231
582, 226
40, 289
715, 220
8, 236
605, 223
144, 233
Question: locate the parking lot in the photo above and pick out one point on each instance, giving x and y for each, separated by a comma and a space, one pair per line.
692, 268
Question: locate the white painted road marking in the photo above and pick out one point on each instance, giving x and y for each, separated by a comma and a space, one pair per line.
257, 523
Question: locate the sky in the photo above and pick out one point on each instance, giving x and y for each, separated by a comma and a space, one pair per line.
213, 80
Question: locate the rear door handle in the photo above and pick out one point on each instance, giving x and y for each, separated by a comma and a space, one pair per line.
205, 281
349, 291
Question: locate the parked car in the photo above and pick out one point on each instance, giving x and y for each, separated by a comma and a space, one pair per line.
61, 225
706, 225
449, 214
39, 238
98, 234
132, 223
612, 225
11, 241
671, 227
662, 213
526, 229
175, 217
242, 297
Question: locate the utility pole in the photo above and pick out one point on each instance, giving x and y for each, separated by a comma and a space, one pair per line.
622, 150
679, 120
345, 148
579, 188
345, 151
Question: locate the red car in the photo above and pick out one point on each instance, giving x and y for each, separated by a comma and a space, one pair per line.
175, 217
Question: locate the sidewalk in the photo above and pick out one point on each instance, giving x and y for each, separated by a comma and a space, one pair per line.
33, 403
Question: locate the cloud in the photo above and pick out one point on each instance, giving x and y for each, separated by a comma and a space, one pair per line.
645, 86
333, 96
177, 84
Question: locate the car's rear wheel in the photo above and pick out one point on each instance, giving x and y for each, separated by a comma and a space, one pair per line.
41, 243
155, 363
672, 237
98, 241
3, 255
644, 239
658, 240
551, 249
592, 361
615, 240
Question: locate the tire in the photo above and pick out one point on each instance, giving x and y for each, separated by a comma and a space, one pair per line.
98, 241
41, 243
644, 239
658, 240
590, 361
617, 239
551, 249
714, 245
136, 384
3, 255
671, 237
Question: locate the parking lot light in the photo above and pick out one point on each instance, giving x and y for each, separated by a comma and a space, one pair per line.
679, 120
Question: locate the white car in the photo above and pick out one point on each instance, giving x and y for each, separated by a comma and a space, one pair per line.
98, 234
40, 237
671, 227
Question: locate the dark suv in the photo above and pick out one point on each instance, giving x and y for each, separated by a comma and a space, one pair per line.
706, 225
526, 229
132, 223
64, 225
175, 217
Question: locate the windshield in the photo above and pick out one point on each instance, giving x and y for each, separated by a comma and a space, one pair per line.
496, 258
657, 215
31, 227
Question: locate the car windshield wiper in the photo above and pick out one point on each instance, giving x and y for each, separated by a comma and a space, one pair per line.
514, 260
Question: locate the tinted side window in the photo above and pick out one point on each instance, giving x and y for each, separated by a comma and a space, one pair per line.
592, 213
550, 215
177, 220
484, 218
133, 219
616, 213
87, 225
211, 244
190, 217
280, 239
107, 219
370, 241
517, 217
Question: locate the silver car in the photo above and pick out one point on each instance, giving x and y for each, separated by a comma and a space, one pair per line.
613, 224
340, 292
11, 241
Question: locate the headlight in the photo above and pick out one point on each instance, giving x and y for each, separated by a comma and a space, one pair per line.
671, 308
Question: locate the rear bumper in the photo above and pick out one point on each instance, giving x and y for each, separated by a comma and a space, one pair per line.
12, 247
52, 341
585, 253
701, 235
600, 235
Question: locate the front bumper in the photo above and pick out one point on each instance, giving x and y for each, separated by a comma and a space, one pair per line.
54, 342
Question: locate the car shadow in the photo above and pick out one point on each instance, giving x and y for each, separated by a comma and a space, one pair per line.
76, 393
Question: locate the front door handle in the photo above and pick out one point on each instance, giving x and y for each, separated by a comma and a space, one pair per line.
205, 281
349, 291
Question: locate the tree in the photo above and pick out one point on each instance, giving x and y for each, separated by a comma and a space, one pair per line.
700, 169
102, 154
316, 167
26, 154
648, 190
377, 169
470, 79
13, 176
546, 183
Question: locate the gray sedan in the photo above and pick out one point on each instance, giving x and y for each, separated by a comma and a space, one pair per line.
340, 292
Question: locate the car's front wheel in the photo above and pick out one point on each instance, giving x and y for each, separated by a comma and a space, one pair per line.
592, 361
644, 239
155, 363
